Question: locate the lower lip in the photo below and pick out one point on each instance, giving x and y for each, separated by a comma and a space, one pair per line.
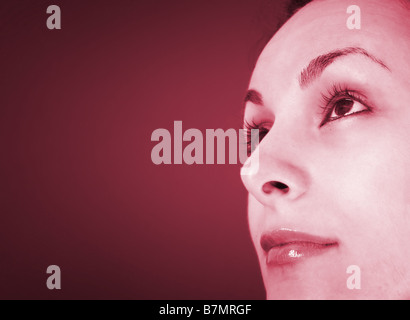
295, 252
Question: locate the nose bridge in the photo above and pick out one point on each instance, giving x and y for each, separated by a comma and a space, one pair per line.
288, 136
283, 140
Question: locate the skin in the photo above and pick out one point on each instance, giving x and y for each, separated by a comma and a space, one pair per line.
348, 179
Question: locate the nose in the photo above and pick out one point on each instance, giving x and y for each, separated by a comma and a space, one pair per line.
280, 170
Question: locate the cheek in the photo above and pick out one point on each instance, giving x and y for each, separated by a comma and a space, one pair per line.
369, 184
367, 164
367, 188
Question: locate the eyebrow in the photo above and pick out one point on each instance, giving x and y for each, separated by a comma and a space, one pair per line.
316, 67
253, 96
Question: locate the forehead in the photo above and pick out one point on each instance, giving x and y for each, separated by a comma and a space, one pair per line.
320, 27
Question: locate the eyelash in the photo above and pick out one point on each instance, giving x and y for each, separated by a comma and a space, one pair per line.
249, 126
336, 94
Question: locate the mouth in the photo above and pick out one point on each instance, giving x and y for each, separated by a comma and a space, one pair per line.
286, 246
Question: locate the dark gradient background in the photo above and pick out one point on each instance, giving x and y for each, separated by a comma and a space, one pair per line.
78, 187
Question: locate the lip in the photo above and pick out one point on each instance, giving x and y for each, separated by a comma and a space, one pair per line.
286, 246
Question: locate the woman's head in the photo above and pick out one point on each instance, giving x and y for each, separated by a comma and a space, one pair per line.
333, 185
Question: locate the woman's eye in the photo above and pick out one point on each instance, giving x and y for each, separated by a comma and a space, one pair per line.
255, 134
344, 107
262, 133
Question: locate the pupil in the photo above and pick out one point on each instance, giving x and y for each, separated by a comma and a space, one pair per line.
343, 106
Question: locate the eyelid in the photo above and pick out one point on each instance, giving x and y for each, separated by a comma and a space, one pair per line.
336, 94
345, 93
252, 124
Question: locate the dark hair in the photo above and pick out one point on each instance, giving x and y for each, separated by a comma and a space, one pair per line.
292, 7
271, 20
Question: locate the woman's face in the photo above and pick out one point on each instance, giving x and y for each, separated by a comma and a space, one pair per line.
333, 185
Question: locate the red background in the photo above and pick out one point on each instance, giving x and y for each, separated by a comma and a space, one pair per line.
78, 187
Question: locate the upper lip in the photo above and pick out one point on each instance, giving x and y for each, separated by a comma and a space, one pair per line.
282, 237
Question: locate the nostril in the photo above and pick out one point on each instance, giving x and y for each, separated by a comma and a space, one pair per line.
270, 186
